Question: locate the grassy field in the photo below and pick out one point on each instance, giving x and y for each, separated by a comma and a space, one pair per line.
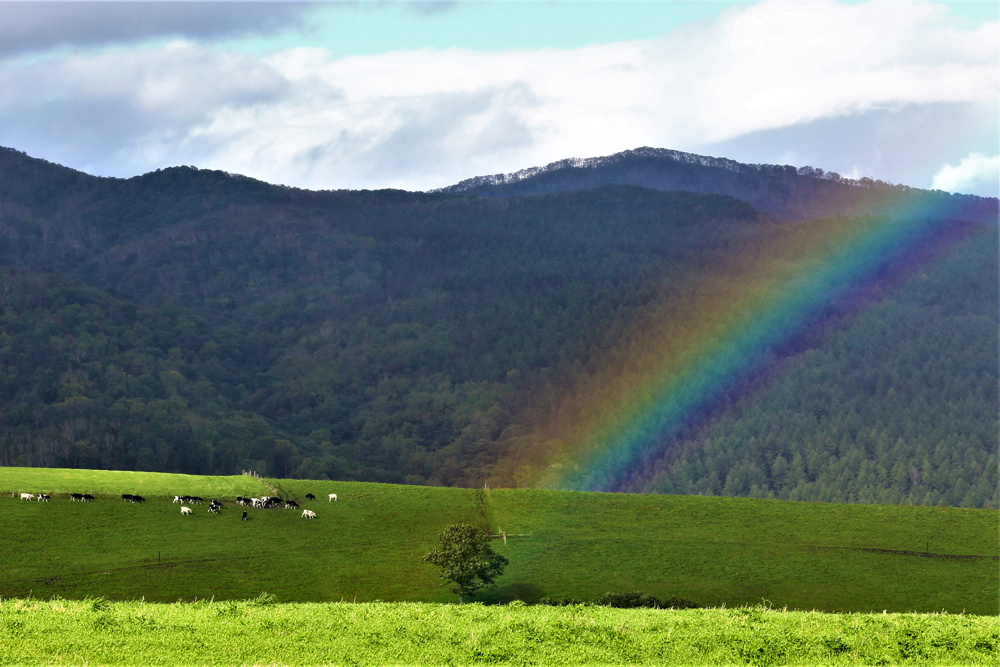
96, 632
113, 483
368, 546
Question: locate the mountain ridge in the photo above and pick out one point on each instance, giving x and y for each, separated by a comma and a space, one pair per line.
781, 190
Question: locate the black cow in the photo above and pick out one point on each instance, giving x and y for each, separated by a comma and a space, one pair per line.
310, 496
87, 498
244, 516
290, 504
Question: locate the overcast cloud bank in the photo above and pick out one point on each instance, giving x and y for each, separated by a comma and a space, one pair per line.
429, 118
33, 27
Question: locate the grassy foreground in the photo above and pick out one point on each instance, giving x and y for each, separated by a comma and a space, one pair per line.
368, 546
97, 632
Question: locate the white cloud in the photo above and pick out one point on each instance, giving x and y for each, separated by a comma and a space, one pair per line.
975, 174
427, 118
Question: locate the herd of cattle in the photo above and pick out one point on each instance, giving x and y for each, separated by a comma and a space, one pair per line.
265, 502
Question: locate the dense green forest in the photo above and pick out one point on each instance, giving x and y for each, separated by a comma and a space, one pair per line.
195, 321
898, 404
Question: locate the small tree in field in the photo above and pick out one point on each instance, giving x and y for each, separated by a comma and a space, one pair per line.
466, 559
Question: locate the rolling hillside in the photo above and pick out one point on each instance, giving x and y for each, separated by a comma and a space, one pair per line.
194, 321
368, 545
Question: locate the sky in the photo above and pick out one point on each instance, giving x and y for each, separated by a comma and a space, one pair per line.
421, 94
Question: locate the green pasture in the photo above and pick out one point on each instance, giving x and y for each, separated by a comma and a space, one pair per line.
97, 632
718, 550
368, 546
64, 481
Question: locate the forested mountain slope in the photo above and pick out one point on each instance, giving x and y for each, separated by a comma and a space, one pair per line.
196, 321
894, 404
782, 191
372, 335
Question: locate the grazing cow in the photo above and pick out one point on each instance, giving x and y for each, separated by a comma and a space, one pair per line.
27, 496
87, 498
308, 514
214, 509
310, 496
333, 498
196, 500
177, 499
138, 499
185, 510
291, 504
76, 497
42, 498
244, 516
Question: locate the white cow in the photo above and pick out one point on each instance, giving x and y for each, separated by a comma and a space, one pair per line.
185, 510
27, 496
333, 497
308, 514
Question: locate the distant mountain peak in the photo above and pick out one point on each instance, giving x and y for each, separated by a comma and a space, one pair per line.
783, 191
665, 154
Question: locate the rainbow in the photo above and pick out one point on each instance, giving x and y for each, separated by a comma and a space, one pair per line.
688, 352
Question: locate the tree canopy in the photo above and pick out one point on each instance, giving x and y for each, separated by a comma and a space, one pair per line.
466, 559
